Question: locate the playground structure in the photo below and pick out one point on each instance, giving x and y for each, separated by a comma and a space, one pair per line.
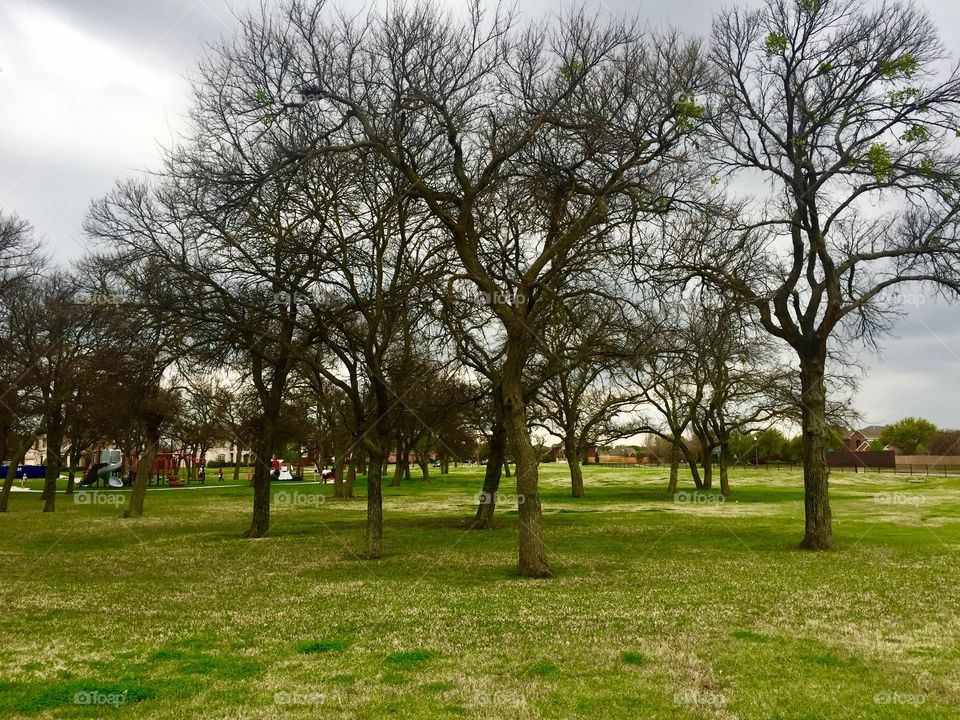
106, 470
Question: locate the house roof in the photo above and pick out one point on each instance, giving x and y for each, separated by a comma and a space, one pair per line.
872, 432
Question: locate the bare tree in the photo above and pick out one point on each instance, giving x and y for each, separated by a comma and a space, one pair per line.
839, 106
526, 144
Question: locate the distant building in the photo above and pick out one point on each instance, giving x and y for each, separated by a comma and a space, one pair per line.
860, 440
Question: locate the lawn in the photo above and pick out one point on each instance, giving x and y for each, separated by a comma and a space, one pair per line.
660, 607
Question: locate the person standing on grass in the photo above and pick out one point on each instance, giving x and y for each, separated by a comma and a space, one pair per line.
220, 475
23, 480
202, 475
275, 467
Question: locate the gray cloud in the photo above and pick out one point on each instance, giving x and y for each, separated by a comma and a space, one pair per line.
93, 86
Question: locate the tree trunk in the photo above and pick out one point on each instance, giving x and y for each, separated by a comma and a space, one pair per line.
487, 504
236, 464
339, 464
18, 458
572, 452
398, 468
675, 457
694, 468
351, 476
506, 469
139, 493
816, 499
424, 467
707, 468
725, 468
52, 474
264, 449
374, 509
533, 556
74, 461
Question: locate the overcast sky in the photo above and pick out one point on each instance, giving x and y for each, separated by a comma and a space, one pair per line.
91, 88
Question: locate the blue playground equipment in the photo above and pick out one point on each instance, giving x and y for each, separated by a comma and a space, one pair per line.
34, 472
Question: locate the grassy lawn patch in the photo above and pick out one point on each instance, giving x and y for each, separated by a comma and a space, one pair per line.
659, 608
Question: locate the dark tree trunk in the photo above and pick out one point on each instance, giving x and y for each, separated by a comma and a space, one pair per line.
819, 528
483, 520
351, 476
374, 509
52, 474
264, 449
707, 468
487, 504
424, 467
398, 468
533, 556
506, 469
74, 462
725, 468
135, 509
236, 465
694, 469
675, 458
339, 465
19, 456
572, 452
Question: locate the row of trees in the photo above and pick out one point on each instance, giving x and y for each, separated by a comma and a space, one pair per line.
398, 205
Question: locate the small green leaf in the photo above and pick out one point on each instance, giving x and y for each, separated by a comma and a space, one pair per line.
903, 66
880, 161
776, 43
916, 133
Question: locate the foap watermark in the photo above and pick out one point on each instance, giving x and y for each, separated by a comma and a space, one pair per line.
296, 299
895, 697
898, 498
906, 299
699, 697
286, 498
498, 498
698, 498
298, 698
86, 497
96, 697
499, 297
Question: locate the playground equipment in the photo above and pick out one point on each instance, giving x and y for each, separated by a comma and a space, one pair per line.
33, 472
108, 470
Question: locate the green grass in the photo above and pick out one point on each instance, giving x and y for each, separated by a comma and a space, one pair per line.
658, 609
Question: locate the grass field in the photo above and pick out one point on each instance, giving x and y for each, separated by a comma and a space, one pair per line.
660, 608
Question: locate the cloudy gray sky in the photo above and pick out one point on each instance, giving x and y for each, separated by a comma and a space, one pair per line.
91, 88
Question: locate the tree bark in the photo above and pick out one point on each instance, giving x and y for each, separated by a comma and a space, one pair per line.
675, 457
140, 482
351, 476
19, 456
533, 556
264, 449
339, 465
236, 464
694, 468
483, 520
707, 468
52, 474
725, 468
374, 509
398, 468
572, 452
818, 533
